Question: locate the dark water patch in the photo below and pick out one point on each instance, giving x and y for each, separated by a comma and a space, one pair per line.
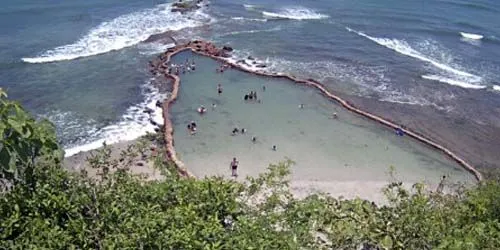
472, 5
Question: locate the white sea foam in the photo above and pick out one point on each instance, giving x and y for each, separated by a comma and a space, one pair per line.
471, 36
453, 82
496, 87
154, 48
402, 47
250, 6
134, 123
250, 31
240, 18
123, 31
295, 13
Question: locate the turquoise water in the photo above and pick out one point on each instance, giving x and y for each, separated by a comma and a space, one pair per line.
349, 148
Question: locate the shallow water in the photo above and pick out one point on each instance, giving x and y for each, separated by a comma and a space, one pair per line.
350, 148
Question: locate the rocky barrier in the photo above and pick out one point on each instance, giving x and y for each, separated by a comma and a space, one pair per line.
160, 66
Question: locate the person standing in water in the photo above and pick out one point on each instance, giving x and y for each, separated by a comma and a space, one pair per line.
219, 88
234, 167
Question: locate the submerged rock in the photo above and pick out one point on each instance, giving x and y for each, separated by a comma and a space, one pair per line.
227, 48
183, 6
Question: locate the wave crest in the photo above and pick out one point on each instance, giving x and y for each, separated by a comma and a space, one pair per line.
295, 13
454, 76
239, 18
133, 124
123, 31
471, 36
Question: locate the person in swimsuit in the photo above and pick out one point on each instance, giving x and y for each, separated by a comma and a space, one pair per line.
234, 167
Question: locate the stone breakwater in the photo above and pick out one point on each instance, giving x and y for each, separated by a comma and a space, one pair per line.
160, 66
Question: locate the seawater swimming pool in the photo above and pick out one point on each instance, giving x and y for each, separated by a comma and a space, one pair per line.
350, 150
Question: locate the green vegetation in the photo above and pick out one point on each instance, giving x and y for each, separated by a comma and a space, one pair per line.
44, 206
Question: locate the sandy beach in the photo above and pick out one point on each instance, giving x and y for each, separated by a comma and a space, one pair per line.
140, 165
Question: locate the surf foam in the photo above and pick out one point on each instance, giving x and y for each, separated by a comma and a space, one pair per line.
295, 13
471, 36
496, 87
134, 123
453, 82
250, 31
154, 48
240, 18
402, 47
123, 31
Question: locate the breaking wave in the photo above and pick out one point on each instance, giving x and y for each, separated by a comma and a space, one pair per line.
123, 31
295, 13
453, 82
239, 18
249, 31
454, 76
471, 36
133, 124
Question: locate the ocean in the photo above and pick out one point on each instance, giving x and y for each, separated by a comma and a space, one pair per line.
84, 64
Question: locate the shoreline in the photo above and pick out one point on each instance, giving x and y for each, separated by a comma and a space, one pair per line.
208, 49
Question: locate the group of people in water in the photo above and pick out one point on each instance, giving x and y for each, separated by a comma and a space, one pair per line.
251, 96
177, 69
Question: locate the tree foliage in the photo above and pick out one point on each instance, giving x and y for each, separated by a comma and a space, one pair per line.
52, 208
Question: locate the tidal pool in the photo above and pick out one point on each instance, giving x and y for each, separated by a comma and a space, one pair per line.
349, 155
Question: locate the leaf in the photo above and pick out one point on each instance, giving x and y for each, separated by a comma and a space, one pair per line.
386, 242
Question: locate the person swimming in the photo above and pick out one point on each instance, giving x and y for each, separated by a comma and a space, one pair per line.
245, 97
264, 88
301, 106
235, 131
202, 109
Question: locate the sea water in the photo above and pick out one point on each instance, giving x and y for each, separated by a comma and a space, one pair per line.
348, 149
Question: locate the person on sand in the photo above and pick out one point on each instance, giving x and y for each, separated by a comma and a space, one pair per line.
255, 95
274, 148
245, 97
334, 115
250, 96
254, 139
264, 88
301, 106
243, 130
234, 167
214, 105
